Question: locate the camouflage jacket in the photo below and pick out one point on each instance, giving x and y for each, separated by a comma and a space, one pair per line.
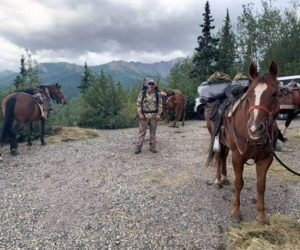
150, 107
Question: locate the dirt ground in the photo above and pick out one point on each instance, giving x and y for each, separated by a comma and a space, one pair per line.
97, 194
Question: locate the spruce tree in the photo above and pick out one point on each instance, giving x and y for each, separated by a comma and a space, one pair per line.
206, 55
20, 78
247, 45
29, 73
227, 48
86, 79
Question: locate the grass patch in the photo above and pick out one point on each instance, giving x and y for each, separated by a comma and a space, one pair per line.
282, 233
64, 134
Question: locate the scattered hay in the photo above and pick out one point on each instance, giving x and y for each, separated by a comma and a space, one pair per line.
163, 177
65, 134
282, 233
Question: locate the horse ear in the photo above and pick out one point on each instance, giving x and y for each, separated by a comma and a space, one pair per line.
253, 71
273, 69
58, 85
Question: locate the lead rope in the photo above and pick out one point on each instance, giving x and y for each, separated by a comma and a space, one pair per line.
280, 161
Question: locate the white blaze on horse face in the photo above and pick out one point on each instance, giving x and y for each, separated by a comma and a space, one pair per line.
259, 90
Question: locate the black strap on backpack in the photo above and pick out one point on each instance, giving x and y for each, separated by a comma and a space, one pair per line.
142, 102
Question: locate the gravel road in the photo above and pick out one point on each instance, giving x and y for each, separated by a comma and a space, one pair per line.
97, 194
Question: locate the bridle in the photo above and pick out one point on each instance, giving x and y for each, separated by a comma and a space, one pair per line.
261, 107
264, 140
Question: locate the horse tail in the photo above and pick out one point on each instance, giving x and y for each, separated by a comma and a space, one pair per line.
211, 154
9, 119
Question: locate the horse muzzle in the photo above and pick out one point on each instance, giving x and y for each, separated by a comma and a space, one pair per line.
256, 131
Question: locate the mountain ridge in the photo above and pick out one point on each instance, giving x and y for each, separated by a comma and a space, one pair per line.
69, 74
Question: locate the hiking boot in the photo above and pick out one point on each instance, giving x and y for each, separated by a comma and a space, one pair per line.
153, 149
138, 150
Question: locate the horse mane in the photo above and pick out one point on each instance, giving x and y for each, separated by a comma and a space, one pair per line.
30, 91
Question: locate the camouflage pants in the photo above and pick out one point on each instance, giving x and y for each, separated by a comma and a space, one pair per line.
152, 123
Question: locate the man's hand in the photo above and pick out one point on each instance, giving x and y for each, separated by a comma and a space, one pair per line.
157, 117
141, 117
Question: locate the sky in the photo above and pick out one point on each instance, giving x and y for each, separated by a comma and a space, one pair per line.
101, 31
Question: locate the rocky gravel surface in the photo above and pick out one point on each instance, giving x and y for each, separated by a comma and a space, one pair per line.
97, 194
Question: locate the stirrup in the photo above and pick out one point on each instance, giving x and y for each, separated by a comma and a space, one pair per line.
278, 146
217, 145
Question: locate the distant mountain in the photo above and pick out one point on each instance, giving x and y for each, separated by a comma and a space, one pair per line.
6, 77
69, 75
6, 73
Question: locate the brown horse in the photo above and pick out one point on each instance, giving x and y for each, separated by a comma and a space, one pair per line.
20, 108
250, 132
176, 103
290, 103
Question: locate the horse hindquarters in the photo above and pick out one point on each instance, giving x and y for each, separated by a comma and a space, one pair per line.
7, 129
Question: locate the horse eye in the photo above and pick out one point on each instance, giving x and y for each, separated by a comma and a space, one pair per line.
274, 94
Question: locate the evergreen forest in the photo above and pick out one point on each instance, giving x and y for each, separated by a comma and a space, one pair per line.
255, 36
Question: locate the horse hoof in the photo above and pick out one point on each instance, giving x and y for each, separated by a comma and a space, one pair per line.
209, 183
29, 144
236, 219
14, 152
218, 185
262, 220
43, 144
225, 182
265, 222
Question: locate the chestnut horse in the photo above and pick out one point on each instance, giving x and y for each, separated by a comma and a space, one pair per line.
176, 103
250, 132
20, 108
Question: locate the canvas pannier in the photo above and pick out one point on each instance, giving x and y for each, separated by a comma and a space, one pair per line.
214, 88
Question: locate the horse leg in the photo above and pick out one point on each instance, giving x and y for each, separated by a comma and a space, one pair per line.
13, 139
221, 172
261, 172
29, 143
218, 159
288, 121
183, 118
183, 112
42, 132
165, 116
176, 116
238, 168
224, 153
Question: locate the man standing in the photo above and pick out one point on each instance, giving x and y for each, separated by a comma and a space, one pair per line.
149, 106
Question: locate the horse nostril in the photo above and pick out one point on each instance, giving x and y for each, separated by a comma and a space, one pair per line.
259, 127
256, 128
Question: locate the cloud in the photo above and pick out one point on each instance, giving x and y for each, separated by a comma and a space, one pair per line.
101, 30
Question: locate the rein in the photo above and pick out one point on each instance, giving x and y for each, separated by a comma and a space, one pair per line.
284, 165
